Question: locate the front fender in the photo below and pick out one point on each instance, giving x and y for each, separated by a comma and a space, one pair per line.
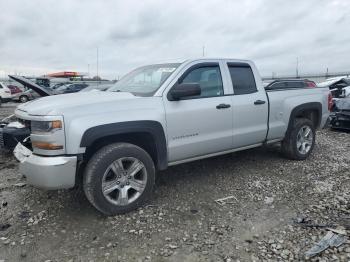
154, 128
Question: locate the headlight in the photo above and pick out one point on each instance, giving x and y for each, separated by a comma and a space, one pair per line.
47, 135
38, 127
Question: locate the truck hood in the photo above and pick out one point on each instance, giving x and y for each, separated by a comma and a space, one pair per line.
58, 104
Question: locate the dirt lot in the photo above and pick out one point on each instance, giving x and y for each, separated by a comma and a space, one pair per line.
182, 221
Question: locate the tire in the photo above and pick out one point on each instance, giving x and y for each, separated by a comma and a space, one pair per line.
23, 99
292, 147
104, 171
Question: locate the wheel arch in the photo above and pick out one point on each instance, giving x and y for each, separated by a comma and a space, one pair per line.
312, 111
146, 134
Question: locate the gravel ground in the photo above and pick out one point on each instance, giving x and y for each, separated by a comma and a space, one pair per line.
182, 221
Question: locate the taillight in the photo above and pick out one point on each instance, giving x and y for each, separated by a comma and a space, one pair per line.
310, 84
330, 101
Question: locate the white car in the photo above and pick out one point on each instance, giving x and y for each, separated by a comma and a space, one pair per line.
5, 94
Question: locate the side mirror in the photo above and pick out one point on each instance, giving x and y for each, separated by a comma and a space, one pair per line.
184, 90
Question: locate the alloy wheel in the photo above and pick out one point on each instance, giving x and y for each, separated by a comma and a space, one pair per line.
304, 139
124, 181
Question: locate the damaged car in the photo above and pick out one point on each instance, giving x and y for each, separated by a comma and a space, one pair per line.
13, 130
339, 86
340, 118
34, 90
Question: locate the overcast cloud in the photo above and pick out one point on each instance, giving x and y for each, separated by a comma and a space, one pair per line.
38, 37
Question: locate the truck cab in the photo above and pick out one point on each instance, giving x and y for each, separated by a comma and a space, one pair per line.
231, 110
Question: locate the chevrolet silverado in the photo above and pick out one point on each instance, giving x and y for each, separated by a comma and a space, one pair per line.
113, 142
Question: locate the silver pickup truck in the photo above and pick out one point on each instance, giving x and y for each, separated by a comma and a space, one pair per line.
112, 143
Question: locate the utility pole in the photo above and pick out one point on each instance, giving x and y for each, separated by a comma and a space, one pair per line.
297, 68
97, 62
88, 70
203, 49
97, 67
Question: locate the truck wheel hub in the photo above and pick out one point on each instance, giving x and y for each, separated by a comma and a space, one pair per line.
124, 181
304, 140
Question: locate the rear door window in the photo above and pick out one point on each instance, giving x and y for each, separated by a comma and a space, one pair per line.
242, 78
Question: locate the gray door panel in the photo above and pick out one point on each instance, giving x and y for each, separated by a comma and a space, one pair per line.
202, 124
250, 106
249, 120
196, 127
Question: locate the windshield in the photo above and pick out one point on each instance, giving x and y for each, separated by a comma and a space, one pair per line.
144, 81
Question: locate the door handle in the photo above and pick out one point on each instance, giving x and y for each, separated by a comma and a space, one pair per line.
223, 106
259, 102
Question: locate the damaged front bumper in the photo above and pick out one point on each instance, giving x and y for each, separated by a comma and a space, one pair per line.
12, 132
10, 136
46, 172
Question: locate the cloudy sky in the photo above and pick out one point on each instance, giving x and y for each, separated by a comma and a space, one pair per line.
38, 37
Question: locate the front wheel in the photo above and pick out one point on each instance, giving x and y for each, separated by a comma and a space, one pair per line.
119, 178
300, 139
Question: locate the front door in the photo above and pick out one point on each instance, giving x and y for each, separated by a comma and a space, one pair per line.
200, 125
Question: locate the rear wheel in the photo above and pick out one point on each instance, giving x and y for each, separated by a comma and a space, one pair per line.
300, 139
23, 99
119, 178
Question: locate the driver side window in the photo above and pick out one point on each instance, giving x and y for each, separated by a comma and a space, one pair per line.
209, 80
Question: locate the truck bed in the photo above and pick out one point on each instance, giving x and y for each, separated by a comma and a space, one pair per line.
282, 102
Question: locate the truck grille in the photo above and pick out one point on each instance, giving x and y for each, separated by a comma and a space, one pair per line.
26, 123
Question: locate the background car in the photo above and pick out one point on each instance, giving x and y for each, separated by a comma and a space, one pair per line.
290, 84
340, 117
70, 88
25, 96
55, 86
14, 89
5, 94
337, 85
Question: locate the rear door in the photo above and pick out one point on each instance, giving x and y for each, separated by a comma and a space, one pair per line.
199, 125
250, 106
